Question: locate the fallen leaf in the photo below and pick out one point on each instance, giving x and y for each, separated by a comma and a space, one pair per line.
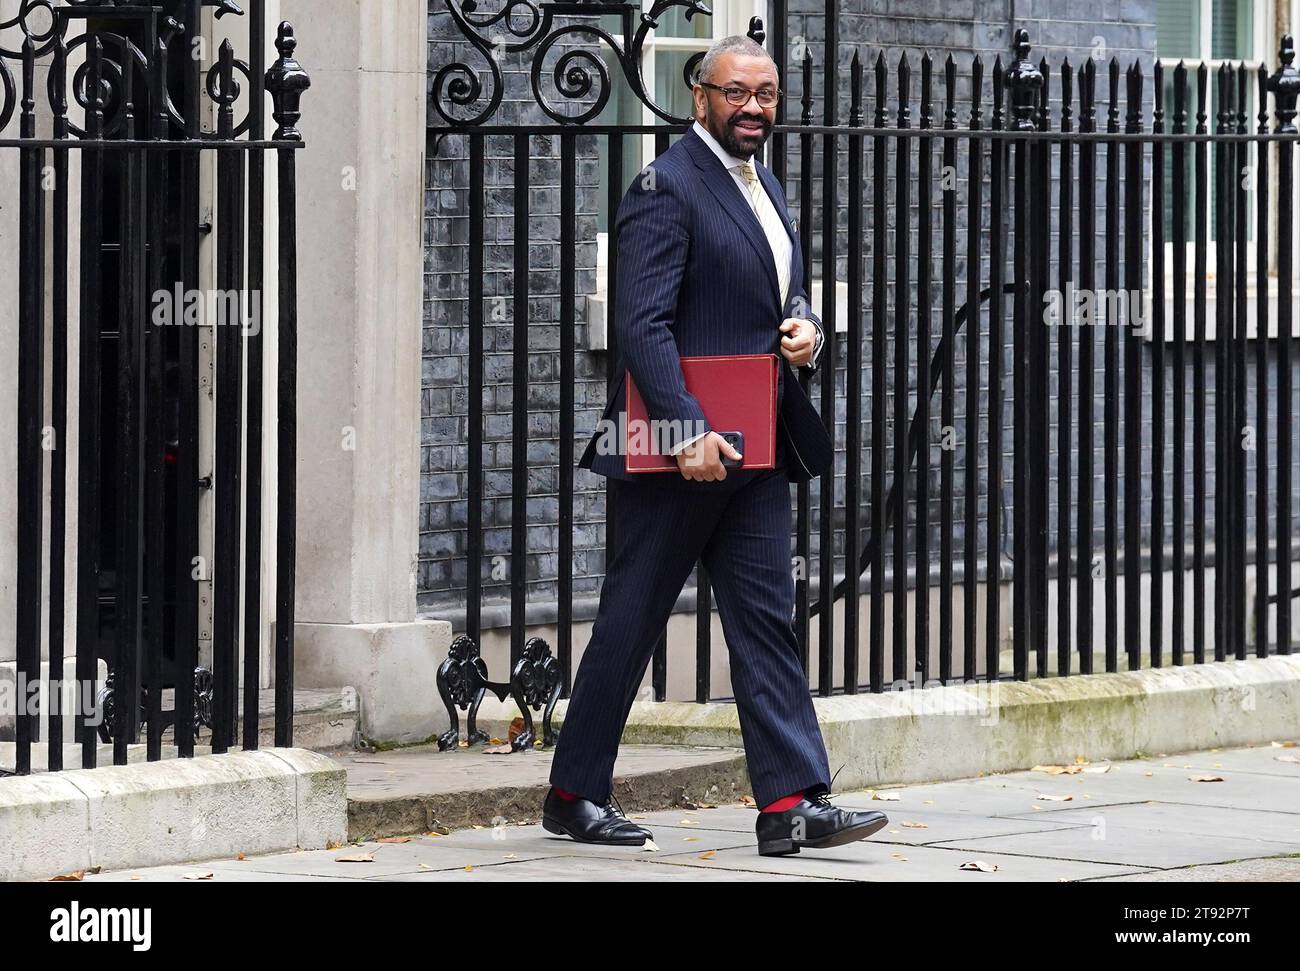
197, 876
687, 822
650, 846
1287, 744
690, 839
356, 858
135, 876
516, 728
469, 868
928, 802
392, 839
978, 865
1288, 758
239, 856
1098, 768
747, 801
498, 750
1048, 798
509, 856
910, 825
1036, 808
899, 856
425, 866
1080, 760
886, 796
1057, 769
332, 845
1148, 774
1205, 778
709, 855
74, 876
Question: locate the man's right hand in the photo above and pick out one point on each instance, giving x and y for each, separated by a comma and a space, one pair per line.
701, 461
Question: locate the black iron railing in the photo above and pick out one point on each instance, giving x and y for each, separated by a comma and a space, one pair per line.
981, 232
126, 98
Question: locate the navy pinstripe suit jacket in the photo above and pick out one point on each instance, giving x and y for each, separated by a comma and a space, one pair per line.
695, 276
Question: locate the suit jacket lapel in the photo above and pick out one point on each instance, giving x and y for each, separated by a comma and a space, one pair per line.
733, 202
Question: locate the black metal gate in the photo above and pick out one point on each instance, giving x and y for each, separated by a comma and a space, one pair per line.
109, 252
978, 198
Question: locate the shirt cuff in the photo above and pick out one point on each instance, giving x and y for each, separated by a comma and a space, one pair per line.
818, 341
680, 446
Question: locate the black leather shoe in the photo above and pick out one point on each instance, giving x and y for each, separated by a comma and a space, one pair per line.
589, 822
816, 823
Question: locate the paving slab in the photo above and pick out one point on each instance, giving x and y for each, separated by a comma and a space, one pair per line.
570, 869
1244, 871
1143, 780
878, 862
389, 859
1139, 820
1210, 822
189, 872
1126, 846
535, 841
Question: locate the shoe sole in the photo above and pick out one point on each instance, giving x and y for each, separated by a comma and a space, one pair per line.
558, 830
789, 847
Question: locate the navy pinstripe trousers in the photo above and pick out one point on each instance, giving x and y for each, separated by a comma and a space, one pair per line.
742, 535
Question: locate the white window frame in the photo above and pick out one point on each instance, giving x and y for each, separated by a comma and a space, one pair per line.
1262, 49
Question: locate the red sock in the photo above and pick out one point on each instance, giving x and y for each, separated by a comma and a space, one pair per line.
784, 803
566, 796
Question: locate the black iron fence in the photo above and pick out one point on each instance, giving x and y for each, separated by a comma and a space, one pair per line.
109, 242
1054, 412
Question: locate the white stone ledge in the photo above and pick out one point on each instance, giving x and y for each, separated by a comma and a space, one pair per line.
173, 811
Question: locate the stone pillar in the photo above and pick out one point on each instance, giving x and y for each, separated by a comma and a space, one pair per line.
360, 219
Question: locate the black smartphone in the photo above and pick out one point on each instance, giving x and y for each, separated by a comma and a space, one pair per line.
737, 441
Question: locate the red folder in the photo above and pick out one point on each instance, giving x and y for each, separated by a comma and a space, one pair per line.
737, 393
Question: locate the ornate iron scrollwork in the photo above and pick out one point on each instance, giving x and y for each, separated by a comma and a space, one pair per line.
534, 684
45, 28
106, 703
580, 75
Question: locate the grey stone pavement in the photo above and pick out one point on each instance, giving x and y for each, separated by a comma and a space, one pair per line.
1145, 819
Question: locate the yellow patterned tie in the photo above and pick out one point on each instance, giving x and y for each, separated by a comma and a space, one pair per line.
769, 220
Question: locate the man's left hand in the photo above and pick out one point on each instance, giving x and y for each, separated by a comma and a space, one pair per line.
799, 341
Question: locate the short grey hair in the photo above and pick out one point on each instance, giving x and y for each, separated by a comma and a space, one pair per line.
735, 44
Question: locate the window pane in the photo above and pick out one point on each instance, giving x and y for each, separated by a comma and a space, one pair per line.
1232, 29
1178, 28
623, 108
671, 92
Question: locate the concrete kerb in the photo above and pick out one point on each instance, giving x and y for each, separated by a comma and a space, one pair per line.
960, 731
174, 811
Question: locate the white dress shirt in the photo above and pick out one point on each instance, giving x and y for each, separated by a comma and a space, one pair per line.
770, 221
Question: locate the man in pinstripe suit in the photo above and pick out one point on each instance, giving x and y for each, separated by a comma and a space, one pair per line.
708, 263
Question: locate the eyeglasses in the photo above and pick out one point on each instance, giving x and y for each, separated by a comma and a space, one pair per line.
766, 97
